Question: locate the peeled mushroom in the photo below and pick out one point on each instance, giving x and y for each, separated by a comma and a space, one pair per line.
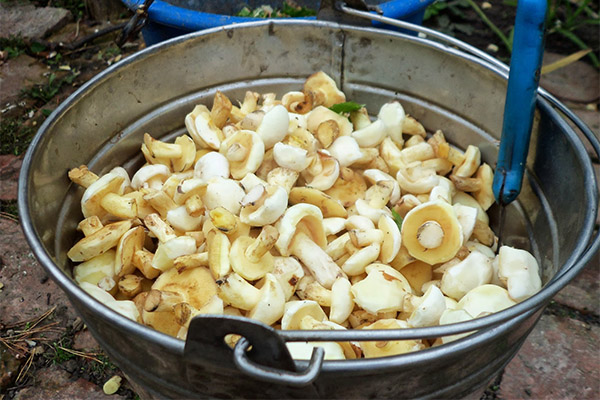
519, 271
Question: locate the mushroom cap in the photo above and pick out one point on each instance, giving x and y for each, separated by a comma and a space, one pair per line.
346, 150
371, 135
226, 193
267, 212
485, 299
180, 219
342, 302
274, 126
290, 157
382, 290
519, 270
321, 114
376, 175
296, 310
329, 207
349, 187
211, 165
392, 115
374, 349
323, 89
430, 310
473, 271
195, 285
329, 173
304, 350
252, 147
288, 272
148, 172
202, 129
271, 305
305, 217
171, 249
245, 267
441, 213
392, 239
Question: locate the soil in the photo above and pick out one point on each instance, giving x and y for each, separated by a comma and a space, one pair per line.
462, 22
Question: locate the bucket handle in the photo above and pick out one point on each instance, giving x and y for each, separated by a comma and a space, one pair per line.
274, 375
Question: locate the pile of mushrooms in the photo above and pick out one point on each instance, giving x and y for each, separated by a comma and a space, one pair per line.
297, 216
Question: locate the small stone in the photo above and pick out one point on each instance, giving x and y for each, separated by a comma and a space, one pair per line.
492, 48
31, 343
29, 21
485, 5
112, 385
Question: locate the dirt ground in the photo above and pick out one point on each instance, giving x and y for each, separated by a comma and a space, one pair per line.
46, 352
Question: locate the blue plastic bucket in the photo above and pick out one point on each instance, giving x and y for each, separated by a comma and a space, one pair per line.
178, 17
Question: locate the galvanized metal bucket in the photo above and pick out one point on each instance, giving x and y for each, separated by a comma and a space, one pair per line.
102, 124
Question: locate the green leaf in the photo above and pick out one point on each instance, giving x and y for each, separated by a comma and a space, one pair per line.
346, 107
37, 47
397, 218
46, 112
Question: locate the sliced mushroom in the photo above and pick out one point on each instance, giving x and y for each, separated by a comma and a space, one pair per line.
114, 181
98, 242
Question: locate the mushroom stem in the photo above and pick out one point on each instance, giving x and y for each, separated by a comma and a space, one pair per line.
158, 300
236, 152
430, 235
316, 260
262, 244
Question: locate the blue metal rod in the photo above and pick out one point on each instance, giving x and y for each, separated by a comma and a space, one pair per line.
525, 64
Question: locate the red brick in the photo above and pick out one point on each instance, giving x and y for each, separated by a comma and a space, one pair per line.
559, 360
